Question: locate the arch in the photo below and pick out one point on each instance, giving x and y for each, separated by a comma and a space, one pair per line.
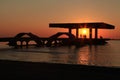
71, 36
24, 43
35, 38
20, 35
55, 36
63, 36
18, 43
32, 42
28, 34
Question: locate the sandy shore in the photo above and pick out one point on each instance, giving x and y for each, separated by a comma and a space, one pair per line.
52, 71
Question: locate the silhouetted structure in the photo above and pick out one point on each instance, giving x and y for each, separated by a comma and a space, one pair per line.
70, 26
77, 26
18, 37
54, 40
40, 41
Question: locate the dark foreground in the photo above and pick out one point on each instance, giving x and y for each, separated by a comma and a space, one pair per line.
51, 71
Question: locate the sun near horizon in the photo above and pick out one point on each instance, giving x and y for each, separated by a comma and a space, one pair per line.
35, 15
84, 32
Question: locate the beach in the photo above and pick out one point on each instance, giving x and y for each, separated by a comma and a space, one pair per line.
37, 70
61, 63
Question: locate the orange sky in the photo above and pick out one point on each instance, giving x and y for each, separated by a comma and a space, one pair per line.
35, 15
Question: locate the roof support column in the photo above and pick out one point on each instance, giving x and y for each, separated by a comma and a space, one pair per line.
96, 33
70, 30
77, 32
90, 33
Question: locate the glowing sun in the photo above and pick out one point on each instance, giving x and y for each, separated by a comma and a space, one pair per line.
84, 31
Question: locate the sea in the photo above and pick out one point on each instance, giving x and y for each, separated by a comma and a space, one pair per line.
107, 55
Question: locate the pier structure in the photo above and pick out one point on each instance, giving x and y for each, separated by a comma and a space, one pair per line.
19, 38
77, 26
54, 40
19, 41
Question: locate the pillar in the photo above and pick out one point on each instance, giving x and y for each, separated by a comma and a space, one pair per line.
27, 44
96, 33
77, 32
70, 30
90, 33
21, 45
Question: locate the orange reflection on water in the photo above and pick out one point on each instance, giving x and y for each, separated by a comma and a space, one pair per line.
83, 57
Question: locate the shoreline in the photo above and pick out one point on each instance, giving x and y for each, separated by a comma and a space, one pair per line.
39, 70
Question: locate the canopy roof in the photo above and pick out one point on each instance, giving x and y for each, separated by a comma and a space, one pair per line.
100, 25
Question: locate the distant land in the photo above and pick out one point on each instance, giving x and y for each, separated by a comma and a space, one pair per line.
115, 39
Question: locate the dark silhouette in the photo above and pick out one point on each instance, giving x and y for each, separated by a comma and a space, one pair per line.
55, 71
101, 37
55, 41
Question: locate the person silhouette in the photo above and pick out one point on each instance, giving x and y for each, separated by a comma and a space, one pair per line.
101, 37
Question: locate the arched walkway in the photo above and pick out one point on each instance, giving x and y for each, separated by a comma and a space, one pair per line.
53, 38
71, 36
19, 36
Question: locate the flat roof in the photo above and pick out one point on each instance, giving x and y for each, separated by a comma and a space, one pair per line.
100, 25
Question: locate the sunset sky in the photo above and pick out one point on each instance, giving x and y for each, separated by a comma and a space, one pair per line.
35, 15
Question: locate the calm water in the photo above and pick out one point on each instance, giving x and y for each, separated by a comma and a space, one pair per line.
102, 55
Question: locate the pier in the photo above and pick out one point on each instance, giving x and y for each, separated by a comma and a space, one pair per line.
20, 41
77, 26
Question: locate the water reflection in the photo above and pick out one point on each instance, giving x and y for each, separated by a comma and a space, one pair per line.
88, 55
94, 55
102, 55
83, 56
